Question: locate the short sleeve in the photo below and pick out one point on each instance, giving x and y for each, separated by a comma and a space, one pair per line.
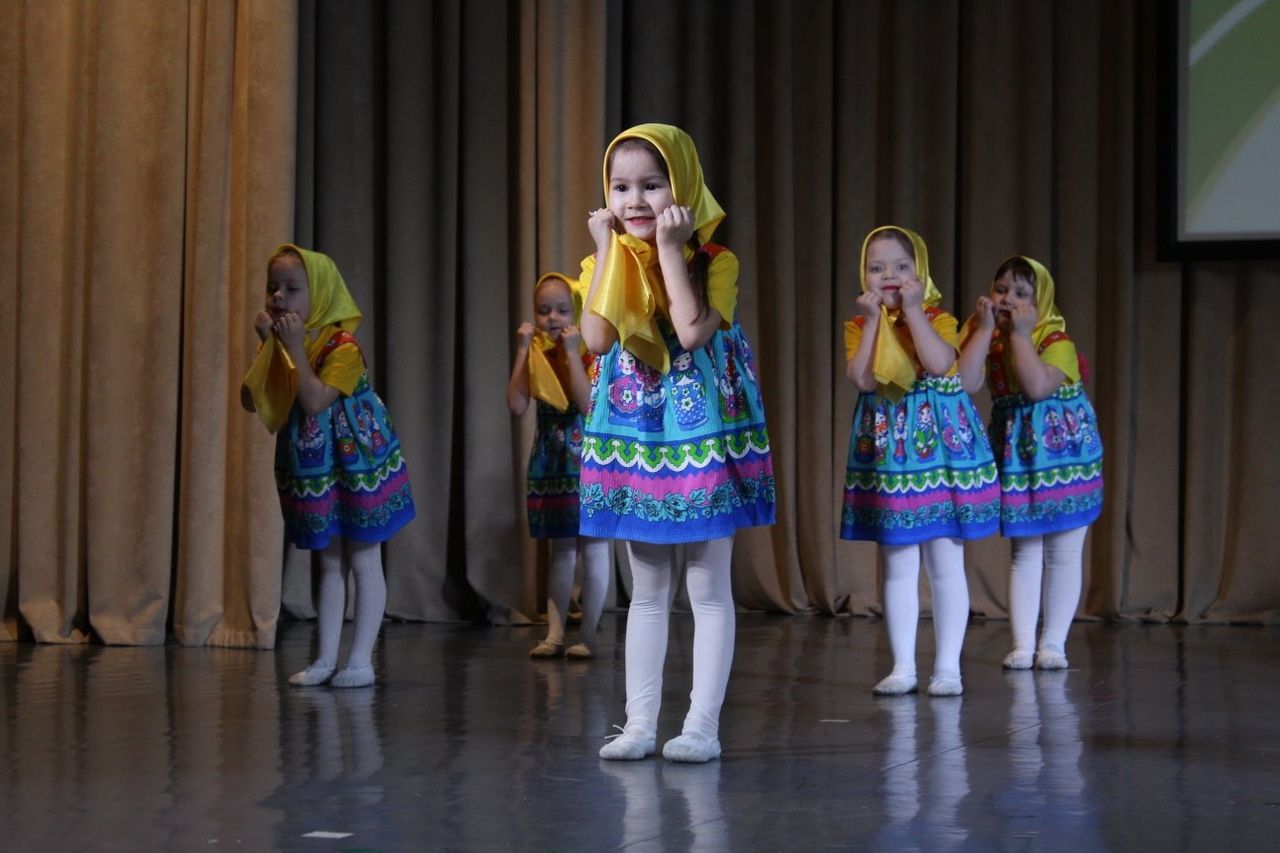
722, 285
852, 336
1061, 354
583, 285
947, 328
342, 368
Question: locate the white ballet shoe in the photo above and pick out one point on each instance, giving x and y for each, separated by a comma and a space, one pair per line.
353, 676
1050, 658
1018, 659
895, 685
547, 649
691, 748
945, 684
580, 651
313, 676
632, 743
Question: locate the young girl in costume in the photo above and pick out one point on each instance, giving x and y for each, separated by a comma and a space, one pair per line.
344, 486
920, 476
549, 367
675, 448
1048, 449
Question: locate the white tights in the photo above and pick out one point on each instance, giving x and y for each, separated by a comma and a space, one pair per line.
1058, 556
595, 582
944, 563
710, 588
365, 559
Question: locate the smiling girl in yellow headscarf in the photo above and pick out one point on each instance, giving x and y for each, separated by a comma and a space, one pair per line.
343, 484
675, 449
552, 369
920, 475
1046, 437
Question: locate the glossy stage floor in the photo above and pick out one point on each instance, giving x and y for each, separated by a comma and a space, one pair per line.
1157, 738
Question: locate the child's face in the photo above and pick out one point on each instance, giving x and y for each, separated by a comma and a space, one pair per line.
1009, 292
553, 308
287, 289
638, 191
889, 264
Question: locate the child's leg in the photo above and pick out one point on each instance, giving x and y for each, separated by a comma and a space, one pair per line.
595, 583
709, 581
1064, 569
331, 601
901, 614
365, 559
944, 562
646, 649
1027, 565
564, 555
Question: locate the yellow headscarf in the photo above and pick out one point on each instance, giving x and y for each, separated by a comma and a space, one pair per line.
544, 382
273, 378
894, 369
1048, 318
631, 288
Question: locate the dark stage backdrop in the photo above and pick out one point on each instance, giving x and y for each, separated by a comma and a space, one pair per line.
447, 153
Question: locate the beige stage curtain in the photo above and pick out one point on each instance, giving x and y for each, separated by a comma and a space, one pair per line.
448, 152
147, 169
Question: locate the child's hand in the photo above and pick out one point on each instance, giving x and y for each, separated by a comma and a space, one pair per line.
291, 330
869, 306
675, 226
603, 224
986, 313
524, 334
1022, 319
911, 293
570, 339
262, 325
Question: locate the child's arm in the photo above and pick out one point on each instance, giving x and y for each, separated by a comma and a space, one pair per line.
518, 385
675, 227
936, 355
313, 395
1037, 379
859, 368
973, 358
579, 382
598, 333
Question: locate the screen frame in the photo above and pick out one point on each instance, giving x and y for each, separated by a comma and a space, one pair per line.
1171, 77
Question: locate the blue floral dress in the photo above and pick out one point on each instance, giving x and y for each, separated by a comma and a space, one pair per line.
920, 467
340, 472
683, 457
1049, 451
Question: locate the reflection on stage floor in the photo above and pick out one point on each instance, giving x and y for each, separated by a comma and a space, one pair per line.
1158, 737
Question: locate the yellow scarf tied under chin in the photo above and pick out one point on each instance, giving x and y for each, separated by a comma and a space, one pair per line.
894, 368
630, 294
1048, 318
631, 290
272, 380
544, 382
